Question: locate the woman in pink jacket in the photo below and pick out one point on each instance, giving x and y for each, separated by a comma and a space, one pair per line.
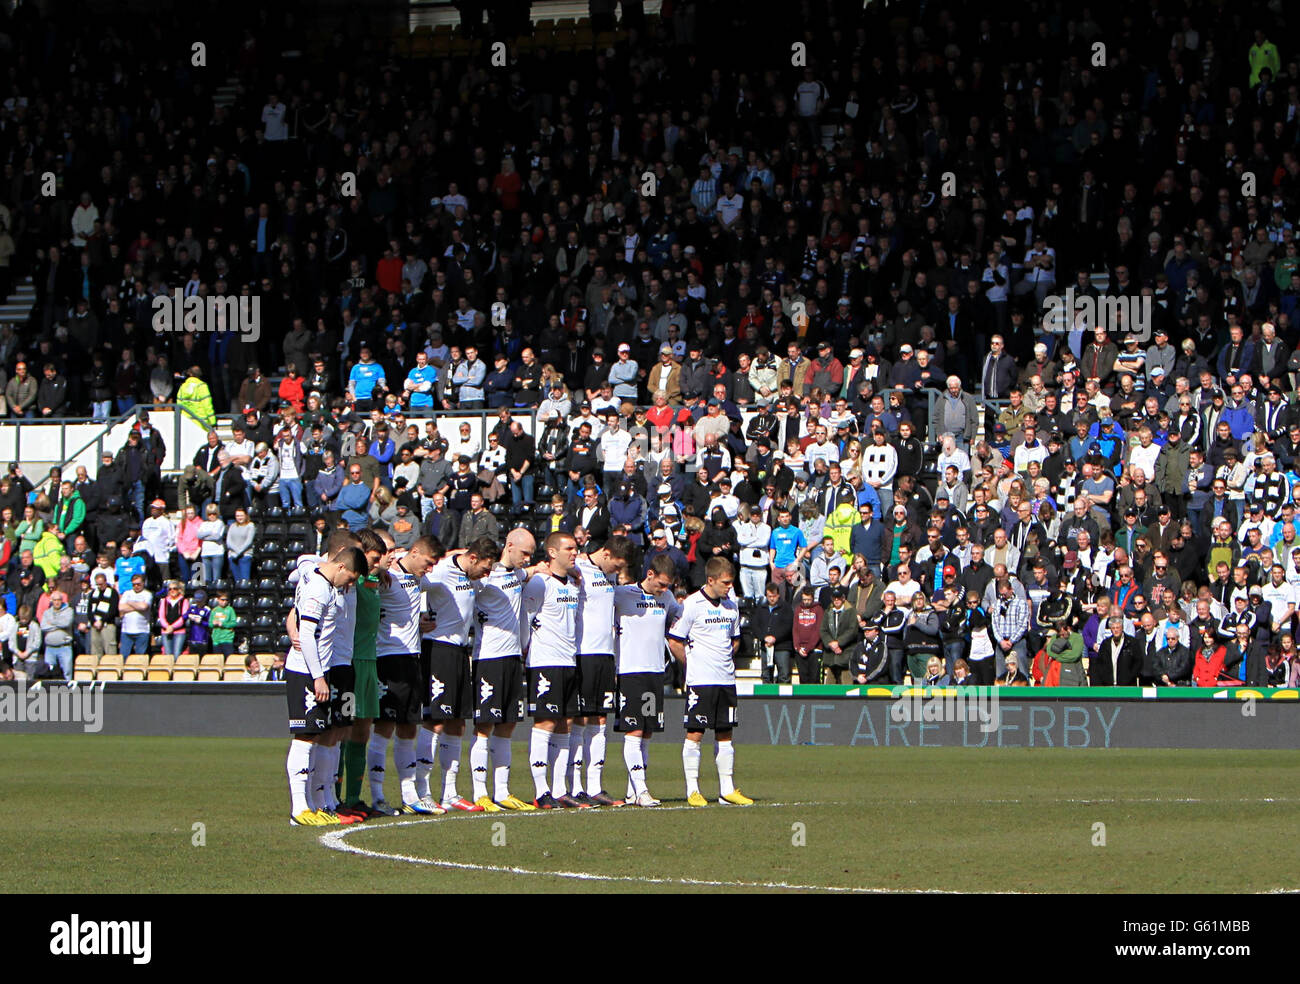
187, 542
173, 607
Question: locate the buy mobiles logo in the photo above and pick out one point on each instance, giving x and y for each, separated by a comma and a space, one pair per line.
1126, 316
176, 312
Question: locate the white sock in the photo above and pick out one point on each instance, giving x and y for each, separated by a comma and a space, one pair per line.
560, 765
330, 771
404, 762
499, 749
298, 767
635, 768
691, 765
478, 765
539, 759
725, 757
449, 759
594, 752
423, 761
315, 780
573, 774
376, 757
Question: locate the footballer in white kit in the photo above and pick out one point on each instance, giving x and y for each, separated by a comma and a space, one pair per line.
642, 615
320, 611
704, 638
498, 669
551, 624
600, 571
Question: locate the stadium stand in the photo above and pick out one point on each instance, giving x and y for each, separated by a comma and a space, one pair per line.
718, 269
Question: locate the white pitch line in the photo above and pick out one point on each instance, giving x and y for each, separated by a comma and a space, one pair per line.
334, 840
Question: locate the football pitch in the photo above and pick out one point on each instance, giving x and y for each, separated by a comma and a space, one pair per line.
156, 815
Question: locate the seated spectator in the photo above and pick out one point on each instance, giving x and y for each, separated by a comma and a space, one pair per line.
253, 672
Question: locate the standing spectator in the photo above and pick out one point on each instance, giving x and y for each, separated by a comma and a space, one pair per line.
103, 609
69, 514
806, 636
240, 538
30, 529
773, 626
198, 619
212, 536
25, 642
262, 473
840, 633
195, 398
135, 605
520, 453
188, 547
159, 535
173, 618
753, 538
289, 458
21, 393
56, 631
223, 621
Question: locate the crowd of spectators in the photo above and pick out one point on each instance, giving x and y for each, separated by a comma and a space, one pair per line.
817, 346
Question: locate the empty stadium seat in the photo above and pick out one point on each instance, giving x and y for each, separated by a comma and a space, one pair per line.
210, 675
187, 661
134, 673
111, 662
186, 674
158, 675
84, 667
235, 661
212, 661
233, 675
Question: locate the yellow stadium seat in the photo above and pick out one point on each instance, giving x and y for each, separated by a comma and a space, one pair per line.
162, 661
137, 661
108, 674
188, 661
83, 674
86, 662
236, 662
212, 661
209, 676
157, 675
110, 661
183, 674
134, 673
234, 674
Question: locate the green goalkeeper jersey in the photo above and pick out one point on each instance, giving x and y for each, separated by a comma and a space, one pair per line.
367, 625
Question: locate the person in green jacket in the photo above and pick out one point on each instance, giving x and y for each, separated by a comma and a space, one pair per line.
46, 554
30, 528
1263, 54
1067, 649
839, 526
70, 514
195, 397
223, 621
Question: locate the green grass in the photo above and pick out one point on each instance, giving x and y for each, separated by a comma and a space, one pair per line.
104, 814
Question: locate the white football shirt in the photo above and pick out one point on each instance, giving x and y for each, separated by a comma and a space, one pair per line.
597, 592
496, 609
449, 598
319, 605
643, 622
552, 621
401, 601
708, 628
